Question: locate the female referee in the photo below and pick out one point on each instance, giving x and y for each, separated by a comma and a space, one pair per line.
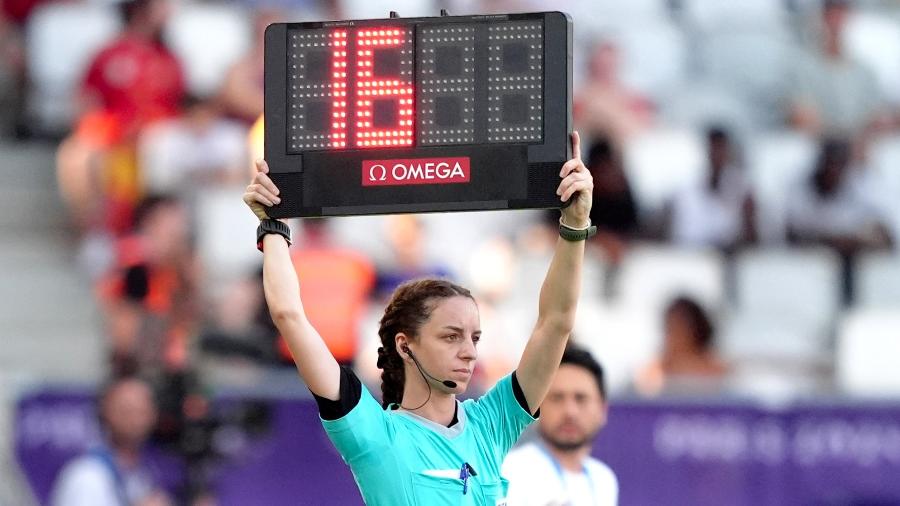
423, 447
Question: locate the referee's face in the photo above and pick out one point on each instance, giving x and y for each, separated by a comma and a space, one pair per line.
448, 341
573, 411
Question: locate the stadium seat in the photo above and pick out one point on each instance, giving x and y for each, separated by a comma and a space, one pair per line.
651, 276
873, 39
622, 339
469, 231
778, 333
494, 270
885, 160
867, 349
751, 63
776, 161
702, 103
885, 164
876, 281
605, 18
616, 21
530, 271
208, 38
778, 340
654, 56
774, 358
616, 11
224, 231
800, 285
589, 13
714, 14
367, 9
304, 11
660, 162
61, 40
775, 384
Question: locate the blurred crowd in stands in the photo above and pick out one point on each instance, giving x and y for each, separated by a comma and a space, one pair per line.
746, 160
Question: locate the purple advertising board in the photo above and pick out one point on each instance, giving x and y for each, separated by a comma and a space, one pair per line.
816, 454
664, 453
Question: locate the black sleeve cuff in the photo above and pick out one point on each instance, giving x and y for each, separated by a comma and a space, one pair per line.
520, 397
350, 393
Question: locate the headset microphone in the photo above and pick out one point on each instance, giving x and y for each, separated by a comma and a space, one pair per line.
446, 383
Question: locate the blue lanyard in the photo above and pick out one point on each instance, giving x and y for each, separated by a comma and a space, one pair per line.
105, 456
562, 478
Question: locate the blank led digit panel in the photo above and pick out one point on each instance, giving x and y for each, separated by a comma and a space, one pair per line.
446, 80
515, 82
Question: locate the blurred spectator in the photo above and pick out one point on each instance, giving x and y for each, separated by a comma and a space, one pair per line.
834, 207
717, 211
17, 11
558, 468
839, 207
132, 82
614, 210
117, 473
335, 284
406, 237
605, 106
150, 297
831, 94
12, 72
239, 325
197, 150
242, 91
97, 178
136, 79
688, 363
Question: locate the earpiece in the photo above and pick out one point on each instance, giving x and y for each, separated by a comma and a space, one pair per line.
446, 383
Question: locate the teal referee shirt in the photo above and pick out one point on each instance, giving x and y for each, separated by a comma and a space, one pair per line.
401, 458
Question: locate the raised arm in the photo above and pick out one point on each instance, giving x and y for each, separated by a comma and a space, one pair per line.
314, 361
561, 288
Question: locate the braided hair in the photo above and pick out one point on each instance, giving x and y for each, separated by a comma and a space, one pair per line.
409, 308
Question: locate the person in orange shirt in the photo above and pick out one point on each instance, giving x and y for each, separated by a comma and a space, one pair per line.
149, 297
336, 283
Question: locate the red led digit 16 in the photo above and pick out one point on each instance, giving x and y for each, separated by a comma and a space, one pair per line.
369, 89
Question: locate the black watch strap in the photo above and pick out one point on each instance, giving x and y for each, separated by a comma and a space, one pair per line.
576, 234
270, 226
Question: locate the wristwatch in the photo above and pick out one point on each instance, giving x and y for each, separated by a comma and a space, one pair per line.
270, 226
576, 234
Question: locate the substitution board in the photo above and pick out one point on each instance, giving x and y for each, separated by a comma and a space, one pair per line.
448, 113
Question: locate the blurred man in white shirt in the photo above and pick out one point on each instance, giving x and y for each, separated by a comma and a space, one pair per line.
557, 469
116, 473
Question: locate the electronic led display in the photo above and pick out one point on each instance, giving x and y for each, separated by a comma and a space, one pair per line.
493, 90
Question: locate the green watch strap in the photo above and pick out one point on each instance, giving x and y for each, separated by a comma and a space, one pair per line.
576, 234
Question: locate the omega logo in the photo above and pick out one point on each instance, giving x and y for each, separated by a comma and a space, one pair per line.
415, 171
